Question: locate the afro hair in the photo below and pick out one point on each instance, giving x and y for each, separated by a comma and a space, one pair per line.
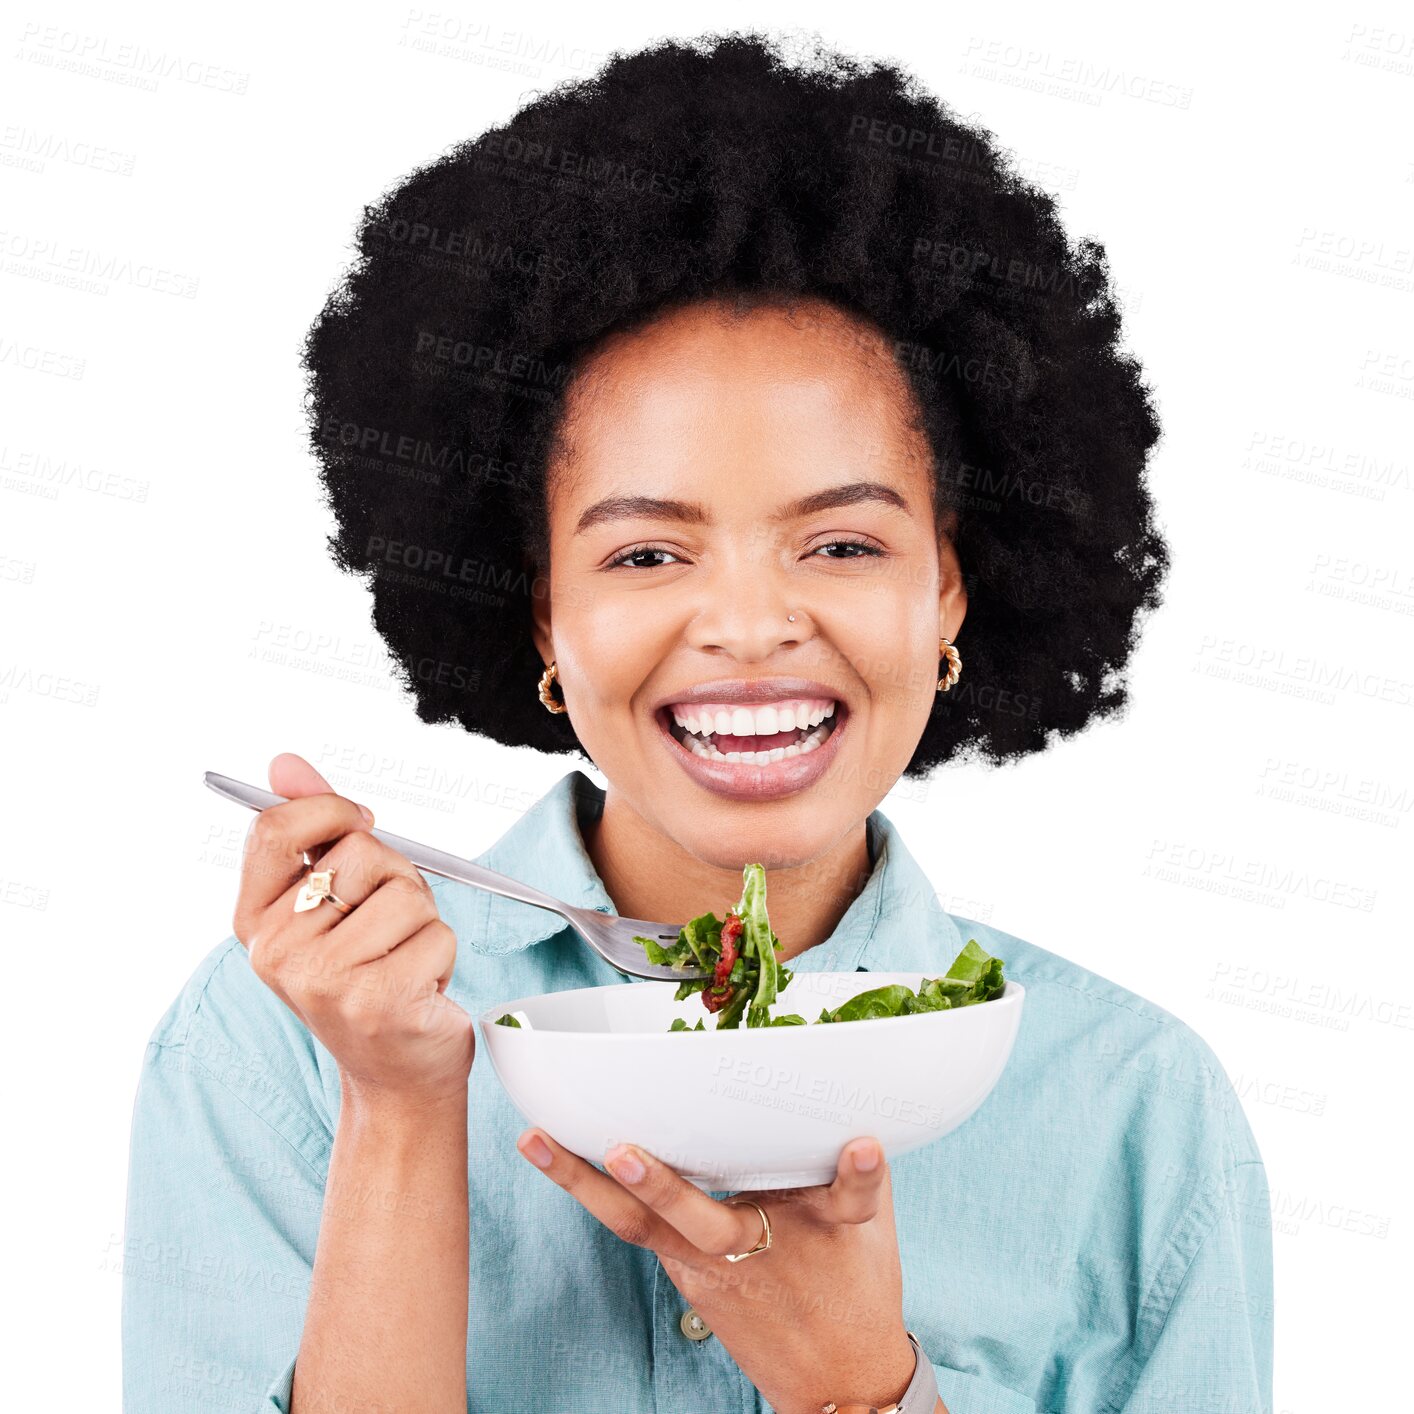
690, 170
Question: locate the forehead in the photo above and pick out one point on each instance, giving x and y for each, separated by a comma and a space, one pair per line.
706, 389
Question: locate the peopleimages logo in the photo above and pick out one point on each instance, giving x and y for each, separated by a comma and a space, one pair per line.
782, 1087
1314, 1000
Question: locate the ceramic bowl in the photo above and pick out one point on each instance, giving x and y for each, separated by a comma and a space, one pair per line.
752, 1108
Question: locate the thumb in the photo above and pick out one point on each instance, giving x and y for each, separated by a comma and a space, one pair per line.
292, 776
855, 1194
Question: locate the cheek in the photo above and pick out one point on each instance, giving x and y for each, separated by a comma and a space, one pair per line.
892, 653
613, 649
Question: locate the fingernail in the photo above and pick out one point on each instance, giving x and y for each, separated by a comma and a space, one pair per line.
625, 1164
866, 1158
367, 813
537, 1151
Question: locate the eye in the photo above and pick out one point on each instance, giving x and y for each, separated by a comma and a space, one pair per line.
635, 553
863, 546
857, 549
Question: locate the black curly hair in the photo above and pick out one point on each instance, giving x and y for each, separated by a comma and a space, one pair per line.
723, 168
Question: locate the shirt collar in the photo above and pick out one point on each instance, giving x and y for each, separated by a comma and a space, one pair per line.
894, 924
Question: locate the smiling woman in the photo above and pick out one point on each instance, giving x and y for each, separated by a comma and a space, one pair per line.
687, 424
740, 502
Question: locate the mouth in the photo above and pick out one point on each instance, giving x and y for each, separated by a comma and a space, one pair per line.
756, 737
754, 752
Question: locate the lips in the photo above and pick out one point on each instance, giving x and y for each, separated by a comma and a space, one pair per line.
750, 691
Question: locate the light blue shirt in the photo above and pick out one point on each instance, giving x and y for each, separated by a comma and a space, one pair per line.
1095, 1238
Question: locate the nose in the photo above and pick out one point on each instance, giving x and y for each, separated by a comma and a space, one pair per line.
744, 610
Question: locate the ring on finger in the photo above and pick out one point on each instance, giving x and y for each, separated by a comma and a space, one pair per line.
765, 1239
318, 887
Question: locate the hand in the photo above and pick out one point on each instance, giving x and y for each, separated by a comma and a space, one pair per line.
369, 984
817, 1316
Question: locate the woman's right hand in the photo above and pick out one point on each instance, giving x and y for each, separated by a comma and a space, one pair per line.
369, 984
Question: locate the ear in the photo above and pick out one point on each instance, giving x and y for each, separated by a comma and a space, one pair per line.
539, 581
952, 590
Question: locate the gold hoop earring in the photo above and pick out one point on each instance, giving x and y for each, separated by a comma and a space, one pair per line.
946, 650
546, 678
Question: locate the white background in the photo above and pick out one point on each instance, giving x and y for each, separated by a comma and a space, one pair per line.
1230, 850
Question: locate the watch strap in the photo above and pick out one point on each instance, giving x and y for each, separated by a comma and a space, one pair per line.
921, 1396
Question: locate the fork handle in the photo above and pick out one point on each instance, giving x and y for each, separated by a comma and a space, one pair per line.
435, 861
450, 866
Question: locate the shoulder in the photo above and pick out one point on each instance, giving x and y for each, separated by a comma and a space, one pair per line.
1048, 972
226, 1030
1123, 1055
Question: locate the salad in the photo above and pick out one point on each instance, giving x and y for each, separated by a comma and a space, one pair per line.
747, 979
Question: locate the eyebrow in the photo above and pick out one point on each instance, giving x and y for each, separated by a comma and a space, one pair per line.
654, 508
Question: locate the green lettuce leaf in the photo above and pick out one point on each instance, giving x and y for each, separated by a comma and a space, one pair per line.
758, 977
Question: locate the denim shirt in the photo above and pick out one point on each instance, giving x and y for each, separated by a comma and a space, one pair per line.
1096, 1237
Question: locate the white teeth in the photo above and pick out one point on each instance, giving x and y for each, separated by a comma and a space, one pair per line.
758, 758
797, 715
789, 716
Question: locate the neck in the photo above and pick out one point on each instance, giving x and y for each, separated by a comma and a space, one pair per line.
649, 875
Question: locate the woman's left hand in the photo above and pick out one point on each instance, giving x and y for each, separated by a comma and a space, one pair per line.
817, 1316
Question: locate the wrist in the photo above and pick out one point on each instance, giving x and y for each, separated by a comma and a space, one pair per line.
394, 1108
401, 1158
403, 1130
888, 1382
915, 1392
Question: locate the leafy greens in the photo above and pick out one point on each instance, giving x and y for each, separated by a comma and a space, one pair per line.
747, 978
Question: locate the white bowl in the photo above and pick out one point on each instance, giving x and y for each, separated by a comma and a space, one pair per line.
758, 1107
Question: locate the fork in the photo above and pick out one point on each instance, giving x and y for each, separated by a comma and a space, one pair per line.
610, 936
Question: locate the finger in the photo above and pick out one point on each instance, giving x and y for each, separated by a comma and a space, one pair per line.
855, 1194
380, 922
323, 945
360, 866
411, 974
711, 1226
292, 776
608, 1200
404, 982
275, 847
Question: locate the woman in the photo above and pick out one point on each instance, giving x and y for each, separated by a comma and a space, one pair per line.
714, 385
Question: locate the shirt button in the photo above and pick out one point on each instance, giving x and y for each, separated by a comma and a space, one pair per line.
693, 1326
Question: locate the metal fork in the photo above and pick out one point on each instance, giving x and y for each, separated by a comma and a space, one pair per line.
610, 936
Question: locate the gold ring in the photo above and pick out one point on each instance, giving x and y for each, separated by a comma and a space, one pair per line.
765, 1239
317, 888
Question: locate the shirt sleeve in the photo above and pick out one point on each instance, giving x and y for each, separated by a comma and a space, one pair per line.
1212, 1347
222, 1219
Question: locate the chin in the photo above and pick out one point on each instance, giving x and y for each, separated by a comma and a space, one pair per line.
784, 835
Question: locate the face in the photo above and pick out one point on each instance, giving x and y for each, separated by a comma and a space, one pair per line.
717, 473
